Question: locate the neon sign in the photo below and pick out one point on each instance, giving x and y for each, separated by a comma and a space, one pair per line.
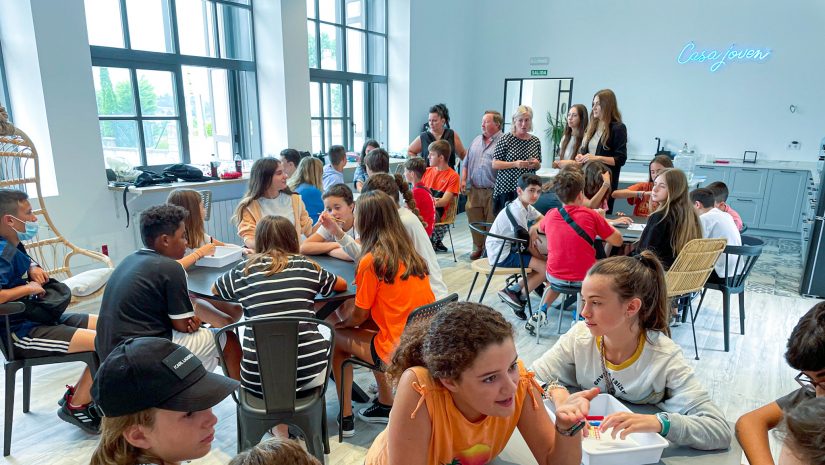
718, 59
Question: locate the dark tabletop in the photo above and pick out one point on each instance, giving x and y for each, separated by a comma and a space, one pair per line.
627, 234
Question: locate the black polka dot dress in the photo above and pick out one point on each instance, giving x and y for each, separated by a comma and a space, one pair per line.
511, 148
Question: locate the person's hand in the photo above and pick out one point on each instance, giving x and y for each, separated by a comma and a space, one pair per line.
622, 220
556, 164
246, 251
575, 408
207, 250
38, 275
606, 177
624, 423
463, 186
600, 211
533, 163
35, 289
193, 324
330, 224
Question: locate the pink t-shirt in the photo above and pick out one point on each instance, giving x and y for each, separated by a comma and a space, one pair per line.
568, 255
736, 218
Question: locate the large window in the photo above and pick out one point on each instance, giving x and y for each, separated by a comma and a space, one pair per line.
348, 72
174, 79
4, 90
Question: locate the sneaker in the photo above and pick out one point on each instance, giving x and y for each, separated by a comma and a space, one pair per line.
476, 254
347, 425
511, 298
66, 396
538, 320
675, 321
440, 247
375, 413
85, 418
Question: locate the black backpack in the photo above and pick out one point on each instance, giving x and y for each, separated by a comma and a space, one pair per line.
186, 173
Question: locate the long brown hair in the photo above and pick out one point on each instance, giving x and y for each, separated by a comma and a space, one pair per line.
260, 177
449, 343
114, 449
593, 179
609, 114
663, 160
310, 171
576, 137
392, 185
275, 239
642, 277
190, 200
678, 209
383, 235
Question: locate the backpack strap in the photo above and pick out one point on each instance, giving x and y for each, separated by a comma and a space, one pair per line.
516, 227
569, 220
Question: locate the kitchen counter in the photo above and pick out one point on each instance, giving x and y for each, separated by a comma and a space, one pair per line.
624, 177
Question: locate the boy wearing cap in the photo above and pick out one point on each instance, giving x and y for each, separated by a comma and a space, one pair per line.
147, 295
69, 334
156, 399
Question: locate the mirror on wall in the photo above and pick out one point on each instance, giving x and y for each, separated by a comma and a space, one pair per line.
543, 95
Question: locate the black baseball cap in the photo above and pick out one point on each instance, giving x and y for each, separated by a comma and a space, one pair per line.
152, 372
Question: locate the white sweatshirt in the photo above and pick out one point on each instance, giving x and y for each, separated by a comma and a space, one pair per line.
656, 374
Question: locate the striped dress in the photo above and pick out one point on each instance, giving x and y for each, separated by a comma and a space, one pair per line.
290, 292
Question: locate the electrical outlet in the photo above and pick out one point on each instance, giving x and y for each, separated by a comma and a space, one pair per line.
794, 145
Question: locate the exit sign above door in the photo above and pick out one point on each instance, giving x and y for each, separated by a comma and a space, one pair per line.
538, 72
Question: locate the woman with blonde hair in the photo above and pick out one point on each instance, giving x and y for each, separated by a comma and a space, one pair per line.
572, 137
516, 153
306, 181
268, 194
675, 222
605, 139
391, 280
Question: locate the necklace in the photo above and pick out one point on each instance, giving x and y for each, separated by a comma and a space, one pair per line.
607, 379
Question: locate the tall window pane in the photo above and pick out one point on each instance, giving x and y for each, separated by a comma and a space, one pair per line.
359, 114
113, 91
121, 147
196, 24
355, 13
162, 142
157, 93
330, 47
207, 114
150, 25
312, 45
378, 16
311, 9
356, 51
329, 10
103, 23
235, 25
378, 54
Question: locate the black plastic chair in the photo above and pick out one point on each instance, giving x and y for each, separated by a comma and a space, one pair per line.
13, 364
421, 313
746, 256
276, 346
482, 265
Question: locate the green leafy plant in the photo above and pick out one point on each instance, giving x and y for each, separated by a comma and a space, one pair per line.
555, 129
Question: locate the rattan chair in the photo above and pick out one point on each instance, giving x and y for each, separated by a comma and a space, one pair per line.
448, 221
20, 169
689, 273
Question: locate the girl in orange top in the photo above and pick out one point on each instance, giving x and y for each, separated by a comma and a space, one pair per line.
391, 281
461, 392
639, 194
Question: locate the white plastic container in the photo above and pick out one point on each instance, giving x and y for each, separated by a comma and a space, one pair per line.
637, 449
224, 255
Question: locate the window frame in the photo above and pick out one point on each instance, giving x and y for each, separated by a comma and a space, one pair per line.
5, 100
114, 57
347, 78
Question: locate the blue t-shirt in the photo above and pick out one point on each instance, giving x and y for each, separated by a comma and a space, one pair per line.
313, 202
14, 264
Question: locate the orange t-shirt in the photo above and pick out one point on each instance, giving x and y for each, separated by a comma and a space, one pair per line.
643, 207
389, 304
455, 439
442, 181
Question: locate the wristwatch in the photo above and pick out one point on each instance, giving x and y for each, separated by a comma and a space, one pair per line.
572, 430
664, 419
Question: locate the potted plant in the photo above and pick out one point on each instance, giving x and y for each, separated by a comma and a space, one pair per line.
555, 130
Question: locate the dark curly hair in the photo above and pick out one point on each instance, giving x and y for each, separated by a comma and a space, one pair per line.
804, 431
450, 342
806, 346
159, 220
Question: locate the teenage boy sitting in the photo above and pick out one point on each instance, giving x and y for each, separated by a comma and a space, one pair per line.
69, 333
147, 295
806, 353
414, 170
444, 184
377, 161
720, 195
569, 253
519, 212
334, 172
716, 224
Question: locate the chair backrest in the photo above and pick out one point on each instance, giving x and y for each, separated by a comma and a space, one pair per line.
744, 258
276, 348
207, 204
20, 169
428, 311
7, 309
449, 215
484, 229
693, 266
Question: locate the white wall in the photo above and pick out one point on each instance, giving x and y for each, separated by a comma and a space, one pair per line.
632, 47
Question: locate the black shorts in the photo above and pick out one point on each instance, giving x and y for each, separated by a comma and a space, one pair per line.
376, 360
50, 339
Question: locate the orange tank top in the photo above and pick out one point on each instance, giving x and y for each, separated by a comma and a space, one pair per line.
456, 440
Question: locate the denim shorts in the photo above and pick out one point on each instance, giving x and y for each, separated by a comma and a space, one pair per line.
512, 260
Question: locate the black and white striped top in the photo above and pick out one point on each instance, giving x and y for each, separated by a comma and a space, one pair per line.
290, 292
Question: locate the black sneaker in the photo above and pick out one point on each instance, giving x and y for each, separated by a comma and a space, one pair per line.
375, 413
511, 298
347, 426
66, 396
85, 418
440, 247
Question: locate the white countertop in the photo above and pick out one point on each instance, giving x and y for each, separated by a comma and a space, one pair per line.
624, 177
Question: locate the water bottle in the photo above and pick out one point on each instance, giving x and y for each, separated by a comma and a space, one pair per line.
238, 163
685, 161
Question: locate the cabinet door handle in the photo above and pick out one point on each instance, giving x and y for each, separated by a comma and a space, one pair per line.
788, 171
743, 200
749, 169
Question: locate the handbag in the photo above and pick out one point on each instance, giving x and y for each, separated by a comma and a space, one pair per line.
48, 308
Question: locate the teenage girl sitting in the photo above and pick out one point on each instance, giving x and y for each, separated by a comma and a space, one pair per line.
391, 281
462, 391
675, 222
268, 194
336, 226
623, 347
639, 194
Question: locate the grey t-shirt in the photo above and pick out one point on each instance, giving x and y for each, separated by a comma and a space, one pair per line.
279, 206
791, 400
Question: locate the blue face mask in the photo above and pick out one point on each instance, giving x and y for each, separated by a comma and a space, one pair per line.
29, 233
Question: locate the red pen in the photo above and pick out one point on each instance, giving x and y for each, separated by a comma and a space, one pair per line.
594, 418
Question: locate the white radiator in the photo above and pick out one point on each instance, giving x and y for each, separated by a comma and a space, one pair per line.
220, 224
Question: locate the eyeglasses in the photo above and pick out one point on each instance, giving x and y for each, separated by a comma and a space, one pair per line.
808, 383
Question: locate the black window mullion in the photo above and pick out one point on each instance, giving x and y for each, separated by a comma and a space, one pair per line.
124, 18
180, 100
234, 113
139, 117
173, 14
